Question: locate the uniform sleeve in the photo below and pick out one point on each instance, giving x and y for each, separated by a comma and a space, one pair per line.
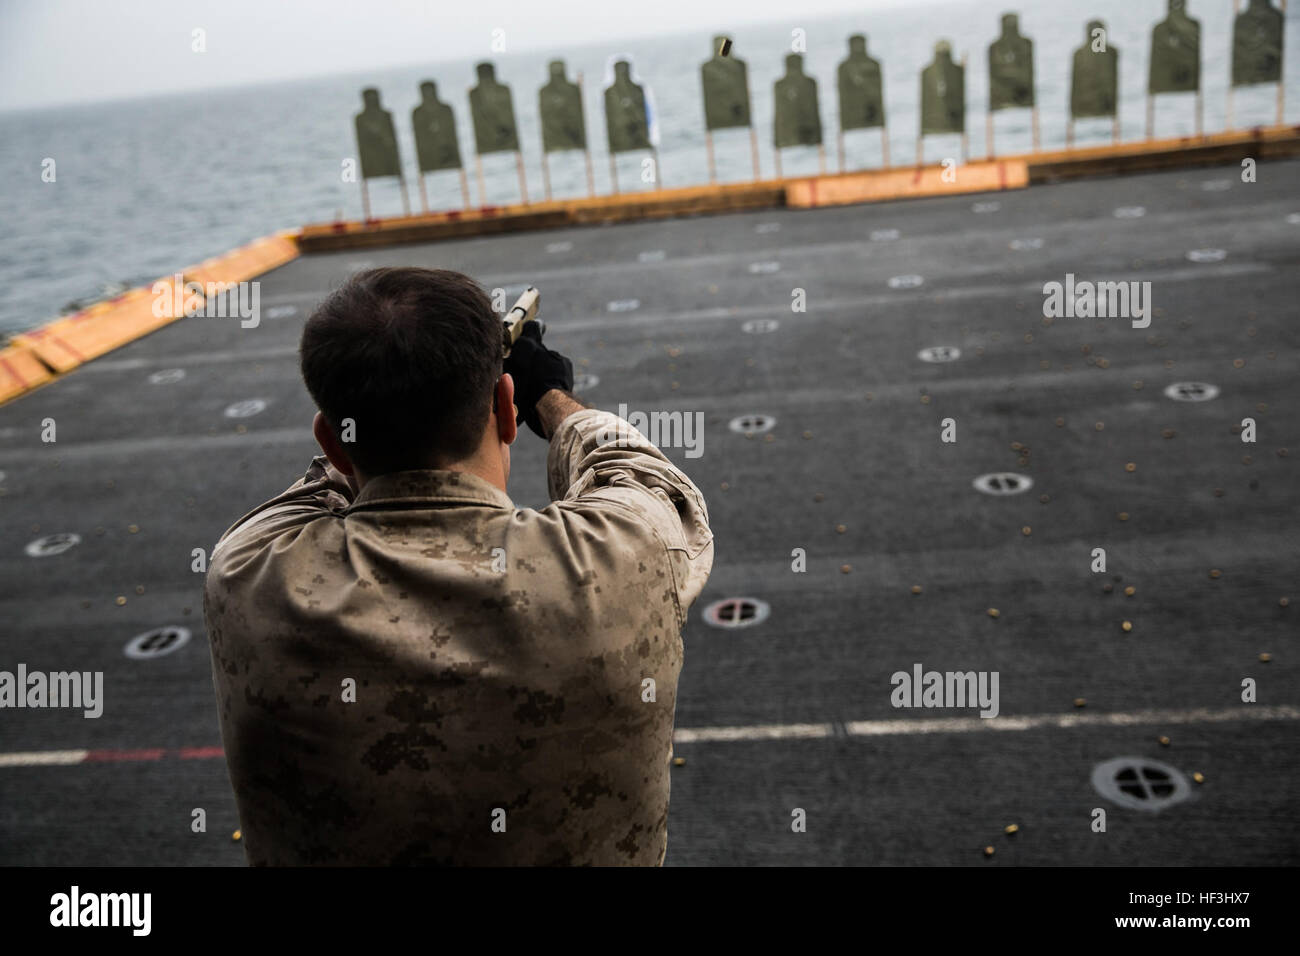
321, 491
598, 459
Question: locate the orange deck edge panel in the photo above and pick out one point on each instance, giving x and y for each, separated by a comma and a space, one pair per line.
1084, 154
67, 342
881, 184
20, 371
246, 262
553, 213
62, 344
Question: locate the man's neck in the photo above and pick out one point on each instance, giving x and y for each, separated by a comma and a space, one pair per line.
483, 469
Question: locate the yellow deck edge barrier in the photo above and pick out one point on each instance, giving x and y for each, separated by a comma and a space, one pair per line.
61, 345
20, 371
878, 185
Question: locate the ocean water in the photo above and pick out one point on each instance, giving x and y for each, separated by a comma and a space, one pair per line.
147, 186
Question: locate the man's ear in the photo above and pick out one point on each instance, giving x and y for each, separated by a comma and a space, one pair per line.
506, 412
330, 445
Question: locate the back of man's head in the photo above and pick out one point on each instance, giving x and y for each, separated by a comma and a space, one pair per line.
411, 356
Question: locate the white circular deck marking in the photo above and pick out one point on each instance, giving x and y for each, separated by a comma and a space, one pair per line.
905, 282
986, 207
52, 544
732, 613
1191, 391
1216, 185
1130, 212
939, 353
624, 305
246, 409
1020, 245
752, 424
585, 380
1207, 255
763, 228
760, 326
763, 268
1293, 218
1003, 483
1140, 783
281, 311
559, 247
652, 255
884, 235
167, 376
156, 643
360, 265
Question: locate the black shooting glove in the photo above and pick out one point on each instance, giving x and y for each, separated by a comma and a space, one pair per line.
536, 370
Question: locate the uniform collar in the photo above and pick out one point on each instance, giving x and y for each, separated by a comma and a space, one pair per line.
412, 489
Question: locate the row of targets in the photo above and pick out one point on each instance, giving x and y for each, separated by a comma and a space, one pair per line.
1175, 67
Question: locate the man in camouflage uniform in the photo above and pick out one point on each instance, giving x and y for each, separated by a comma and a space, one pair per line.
411, 670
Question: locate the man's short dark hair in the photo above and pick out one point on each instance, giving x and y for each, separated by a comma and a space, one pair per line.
411, 356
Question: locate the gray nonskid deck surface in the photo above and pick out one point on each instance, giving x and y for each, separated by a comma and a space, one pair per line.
845, 386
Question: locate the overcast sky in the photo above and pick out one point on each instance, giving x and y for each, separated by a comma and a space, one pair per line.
67, 51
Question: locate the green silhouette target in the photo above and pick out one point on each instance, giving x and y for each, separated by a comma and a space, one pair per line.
434, 125
725, 80
376, 138
797, 120
943, 94
861, 88
1175, 53
493, 112
559, 103
1094, 88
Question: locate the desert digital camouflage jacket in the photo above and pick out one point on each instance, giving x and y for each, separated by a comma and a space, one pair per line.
501, 659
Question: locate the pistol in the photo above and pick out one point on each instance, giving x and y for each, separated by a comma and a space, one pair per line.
524, 310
